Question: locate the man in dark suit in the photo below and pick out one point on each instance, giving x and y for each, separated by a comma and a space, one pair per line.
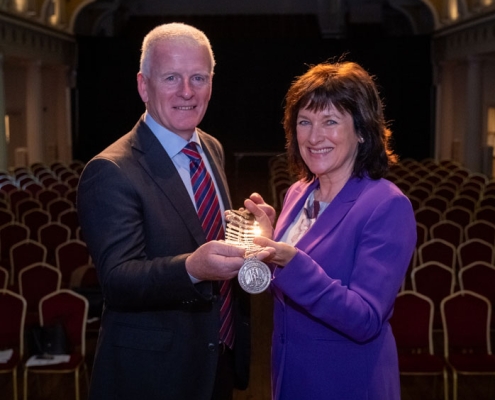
159, 336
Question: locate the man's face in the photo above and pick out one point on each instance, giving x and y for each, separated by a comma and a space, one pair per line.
178, 88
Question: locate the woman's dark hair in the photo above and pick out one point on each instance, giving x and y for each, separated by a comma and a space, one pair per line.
349, 88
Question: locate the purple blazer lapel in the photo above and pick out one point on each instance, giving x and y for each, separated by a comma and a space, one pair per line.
330, 218
333, 214
324, 225
293, 204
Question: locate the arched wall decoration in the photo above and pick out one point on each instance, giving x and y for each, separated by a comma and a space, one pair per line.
434, 12
76, 12
405, 8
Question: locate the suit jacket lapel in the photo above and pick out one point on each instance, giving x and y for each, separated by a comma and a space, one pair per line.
161, 169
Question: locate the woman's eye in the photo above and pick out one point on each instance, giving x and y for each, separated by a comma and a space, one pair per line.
303, 123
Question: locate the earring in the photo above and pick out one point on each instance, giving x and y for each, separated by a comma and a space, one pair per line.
360, 139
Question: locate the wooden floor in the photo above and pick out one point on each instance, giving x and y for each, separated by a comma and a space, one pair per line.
259, 389
413, 388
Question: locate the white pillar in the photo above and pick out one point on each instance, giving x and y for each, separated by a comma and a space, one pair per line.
3, 140
34, 122
64, 132
57, 134
439, 139
473, 129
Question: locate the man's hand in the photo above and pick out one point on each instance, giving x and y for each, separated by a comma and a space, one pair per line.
215, 261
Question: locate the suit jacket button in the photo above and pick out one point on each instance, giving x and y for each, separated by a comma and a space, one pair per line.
211, 346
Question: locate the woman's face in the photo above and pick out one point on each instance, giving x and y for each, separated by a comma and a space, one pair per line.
327, 141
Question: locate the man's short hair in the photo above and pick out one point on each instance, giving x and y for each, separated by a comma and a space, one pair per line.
176, 31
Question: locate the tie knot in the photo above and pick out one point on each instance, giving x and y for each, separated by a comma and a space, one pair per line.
191, 151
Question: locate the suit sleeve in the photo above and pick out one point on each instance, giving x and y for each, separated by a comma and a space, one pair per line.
113, 220
378, 261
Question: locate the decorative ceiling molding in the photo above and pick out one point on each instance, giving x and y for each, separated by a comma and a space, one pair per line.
20, 39
475, 36
424, 16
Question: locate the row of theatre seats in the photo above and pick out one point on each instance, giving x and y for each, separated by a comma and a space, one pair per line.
449, 287
46, 273
449, 290
444, 292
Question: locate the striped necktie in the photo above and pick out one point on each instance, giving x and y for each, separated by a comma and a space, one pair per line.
211, 220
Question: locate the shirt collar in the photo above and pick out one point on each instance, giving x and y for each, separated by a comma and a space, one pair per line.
172, 143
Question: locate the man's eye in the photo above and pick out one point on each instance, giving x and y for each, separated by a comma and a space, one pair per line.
199, 79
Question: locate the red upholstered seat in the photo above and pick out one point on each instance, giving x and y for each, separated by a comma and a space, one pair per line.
10, 234
479, 277
427, 216
437, 250
447, 230
482, 230
51, 235
412, 324
12, 317
459, 215
475, 250
23, 254
70, 309
466, 324
436, 281
69, 256
36, 281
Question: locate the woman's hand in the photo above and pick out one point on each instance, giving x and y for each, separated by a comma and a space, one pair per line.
264, 213
279, 253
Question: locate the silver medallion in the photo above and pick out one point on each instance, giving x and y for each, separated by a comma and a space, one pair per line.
254, 276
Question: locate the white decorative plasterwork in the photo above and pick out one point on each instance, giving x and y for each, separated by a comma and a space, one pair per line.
22, 39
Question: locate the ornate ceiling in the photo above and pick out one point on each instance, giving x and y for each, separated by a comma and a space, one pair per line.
102, 17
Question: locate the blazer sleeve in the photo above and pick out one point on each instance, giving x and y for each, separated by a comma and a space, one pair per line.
373, 249
138, 248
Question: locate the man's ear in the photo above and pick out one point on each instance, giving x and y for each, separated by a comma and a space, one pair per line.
142, 87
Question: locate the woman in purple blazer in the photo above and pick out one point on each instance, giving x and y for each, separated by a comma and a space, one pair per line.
342, 243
